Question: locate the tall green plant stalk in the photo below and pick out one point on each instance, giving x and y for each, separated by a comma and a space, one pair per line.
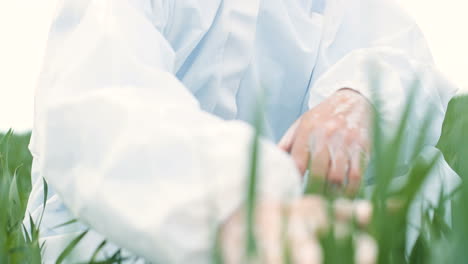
252, 182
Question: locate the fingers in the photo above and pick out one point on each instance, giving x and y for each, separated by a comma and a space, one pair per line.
336, 162
320, 157
362, 212
300, 224
305, 220
331, 153
233, 238
348, 159
300, 149
366, 250
286, 141
307, 252
313, 209
269, 232
343, 209
339, 164
357, 159
307, 137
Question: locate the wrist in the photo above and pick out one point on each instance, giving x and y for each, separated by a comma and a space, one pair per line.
352, 93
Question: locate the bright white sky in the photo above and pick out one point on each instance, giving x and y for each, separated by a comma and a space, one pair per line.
24, 25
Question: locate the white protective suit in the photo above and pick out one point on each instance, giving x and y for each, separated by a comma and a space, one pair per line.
143, 108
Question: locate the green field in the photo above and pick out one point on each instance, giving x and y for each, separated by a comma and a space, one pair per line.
440, 240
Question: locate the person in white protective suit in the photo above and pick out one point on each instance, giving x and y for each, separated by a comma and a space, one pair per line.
143, 109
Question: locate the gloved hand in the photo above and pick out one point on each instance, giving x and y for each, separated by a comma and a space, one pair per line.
335, 137
298, 226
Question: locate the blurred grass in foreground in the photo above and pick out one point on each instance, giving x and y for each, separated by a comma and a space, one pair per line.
15, 185
439, 242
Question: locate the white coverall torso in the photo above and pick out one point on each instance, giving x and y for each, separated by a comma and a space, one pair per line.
143, 108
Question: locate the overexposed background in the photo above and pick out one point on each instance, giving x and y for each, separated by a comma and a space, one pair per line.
23, 34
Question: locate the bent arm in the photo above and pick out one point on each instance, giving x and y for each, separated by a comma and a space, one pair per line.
126, 145
374, 48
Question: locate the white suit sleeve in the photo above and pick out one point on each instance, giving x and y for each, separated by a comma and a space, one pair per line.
125, 144
366, 37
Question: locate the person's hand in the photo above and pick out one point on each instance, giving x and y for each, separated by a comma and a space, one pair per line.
298, 227
303, 217
335, 137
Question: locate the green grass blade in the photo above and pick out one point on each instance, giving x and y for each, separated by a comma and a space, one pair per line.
97, 251
67, 251
66, 223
